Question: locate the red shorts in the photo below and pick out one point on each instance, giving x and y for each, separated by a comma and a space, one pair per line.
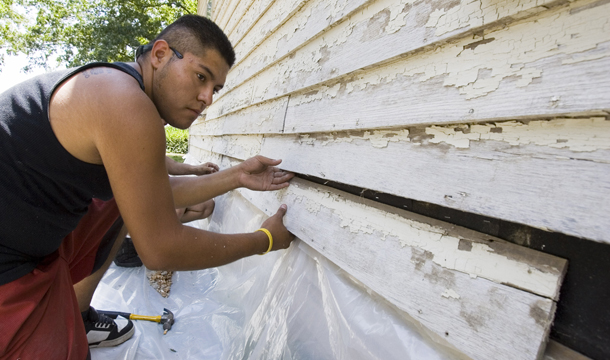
39, 314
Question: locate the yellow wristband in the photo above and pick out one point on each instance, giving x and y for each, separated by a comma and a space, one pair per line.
270, 239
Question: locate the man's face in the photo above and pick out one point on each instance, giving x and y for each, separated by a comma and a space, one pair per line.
182, 88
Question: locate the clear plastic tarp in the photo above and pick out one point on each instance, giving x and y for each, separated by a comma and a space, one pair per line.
291, 304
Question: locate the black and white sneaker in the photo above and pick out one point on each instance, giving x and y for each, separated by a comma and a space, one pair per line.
103, 331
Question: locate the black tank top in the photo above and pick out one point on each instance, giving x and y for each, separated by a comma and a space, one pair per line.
44, 190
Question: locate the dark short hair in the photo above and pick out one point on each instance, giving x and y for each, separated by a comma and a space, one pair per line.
188, 28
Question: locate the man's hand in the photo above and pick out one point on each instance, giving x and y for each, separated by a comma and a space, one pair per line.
259, 173
275, 224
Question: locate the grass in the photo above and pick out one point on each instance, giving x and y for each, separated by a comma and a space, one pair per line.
177, 140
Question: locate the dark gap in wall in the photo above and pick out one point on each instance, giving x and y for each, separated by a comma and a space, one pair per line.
582, 320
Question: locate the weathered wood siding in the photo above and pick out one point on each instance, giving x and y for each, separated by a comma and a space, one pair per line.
497, 108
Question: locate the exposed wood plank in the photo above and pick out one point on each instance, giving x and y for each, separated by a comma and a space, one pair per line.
556, 351
394, 30
259, 119
467, 312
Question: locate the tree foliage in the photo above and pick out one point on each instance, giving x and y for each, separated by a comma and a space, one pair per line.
76, 32
177, 140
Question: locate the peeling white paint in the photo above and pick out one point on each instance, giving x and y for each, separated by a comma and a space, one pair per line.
261, 118
377, 138
477, 13
512, 54
476, 67
450, 294
306, 60
481, 260
381, 138
398, 16
332, 92
581, 135
470, 317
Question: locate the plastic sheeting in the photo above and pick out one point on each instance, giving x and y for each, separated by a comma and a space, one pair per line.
292, 304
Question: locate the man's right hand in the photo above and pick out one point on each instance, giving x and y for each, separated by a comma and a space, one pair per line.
275, 224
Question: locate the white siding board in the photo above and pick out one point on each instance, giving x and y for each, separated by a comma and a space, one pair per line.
263, 118
394, 30
241, 9
498, 108
241, 147
541, 276
494, 170
283, 28
467, 312
203, 156
544, 77
276, 14
250, 18
202, 7
553, 189
227, 9
218, 8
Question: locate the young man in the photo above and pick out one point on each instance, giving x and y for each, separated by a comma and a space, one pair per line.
79, 146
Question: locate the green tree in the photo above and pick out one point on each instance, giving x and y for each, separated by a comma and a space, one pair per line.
77, 32
9, 21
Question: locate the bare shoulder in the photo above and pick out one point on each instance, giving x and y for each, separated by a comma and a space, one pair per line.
103, 87
99, 105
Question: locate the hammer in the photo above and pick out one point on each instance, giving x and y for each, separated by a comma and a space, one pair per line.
167, 319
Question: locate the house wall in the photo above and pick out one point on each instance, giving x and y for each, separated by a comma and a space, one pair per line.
493, 110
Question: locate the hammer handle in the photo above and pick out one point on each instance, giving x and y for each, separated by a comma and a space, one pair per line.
133, 316
144, 317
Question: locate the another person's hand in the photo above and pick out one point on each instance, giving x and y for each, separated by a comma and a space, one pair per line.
178, 168
204, 169
275, 224
259, 173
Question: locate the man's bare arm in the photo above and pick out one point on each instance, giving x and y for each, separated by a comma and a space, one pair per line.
127, 134
257, 173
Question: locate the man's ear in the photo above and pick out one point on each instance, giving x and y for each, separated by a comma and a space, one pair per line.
160, 53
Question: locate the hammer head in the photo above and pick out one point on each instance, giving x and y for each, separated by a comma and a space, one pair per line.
167, 319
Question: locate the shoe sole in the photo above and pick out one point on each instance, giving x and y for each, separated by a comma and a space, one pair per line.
115, 342
128, 264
